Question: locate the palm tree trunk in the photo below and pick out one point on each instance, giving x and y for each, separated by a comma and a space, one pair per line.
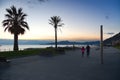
56, 38
15, 42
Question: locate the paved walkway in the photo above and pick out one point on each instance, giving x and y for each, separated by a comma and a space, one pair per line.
64, 67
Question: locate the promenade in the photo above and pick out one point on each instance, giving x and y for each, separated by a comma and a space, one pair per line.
70, 66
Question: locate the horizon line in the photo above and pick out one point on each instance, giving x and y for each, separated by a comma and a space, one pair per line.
50, 39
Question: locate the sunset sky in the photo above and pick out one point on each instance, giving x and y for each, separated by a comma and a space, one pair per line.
82, 18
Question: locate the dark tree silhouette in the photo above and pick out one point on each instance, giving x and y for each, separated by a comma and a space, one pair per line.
55, 21
15, 23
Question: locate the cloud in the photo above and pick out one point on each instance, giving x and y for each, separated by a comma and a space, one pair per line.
2, 2
110, 33
106, 17
35, 1
20, 3
42, 0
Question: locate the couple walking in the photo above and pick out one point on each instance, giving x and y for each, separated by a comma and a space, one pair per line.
87, 50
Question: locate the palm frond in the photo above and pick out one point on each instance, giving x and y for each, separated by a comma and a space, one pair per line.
6, 28
22, 17
21, 31
15, 23
24, 24
13, 8
20, 11
7, 20
60, 24
9, 11
5, 24
11, 30
56, 21
8, 16
60, 30
51, 23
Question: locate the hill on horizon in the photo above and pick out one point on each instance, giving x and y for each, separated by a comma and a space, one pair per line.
112, 40
77, 43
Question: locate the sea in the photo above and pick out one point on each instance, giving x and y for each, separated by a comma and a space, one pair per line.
4, 48
21, 47
7, 44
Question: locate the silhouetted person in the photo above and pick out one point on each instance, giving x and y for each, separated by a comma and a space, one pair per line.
88, 50
83, 51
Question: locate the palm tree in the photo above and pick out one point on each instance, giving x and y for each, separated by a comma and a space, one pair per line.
15, 23
55, 21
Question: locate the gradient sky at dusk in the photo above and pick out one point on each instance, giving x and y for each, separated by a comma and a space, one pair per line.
82, 18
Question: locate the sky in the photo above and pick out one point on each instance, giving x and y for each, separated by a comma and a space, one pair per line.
82, 18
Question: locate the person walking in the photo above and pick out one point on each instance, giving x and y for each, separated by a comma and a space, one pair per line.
82, 50
88, 50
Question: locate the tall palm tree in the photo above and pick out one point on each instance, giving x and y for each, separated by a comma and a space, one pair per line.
55, 21
15, 23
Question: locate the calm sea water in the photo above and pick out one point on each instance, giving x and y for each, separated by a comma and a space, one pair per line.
22, 47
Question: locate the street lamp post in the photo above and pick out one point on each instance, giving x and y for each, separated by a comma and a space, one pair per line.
101, 43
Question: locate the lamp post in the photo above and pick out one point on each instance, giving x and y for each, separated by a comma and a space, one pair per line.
101, 43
